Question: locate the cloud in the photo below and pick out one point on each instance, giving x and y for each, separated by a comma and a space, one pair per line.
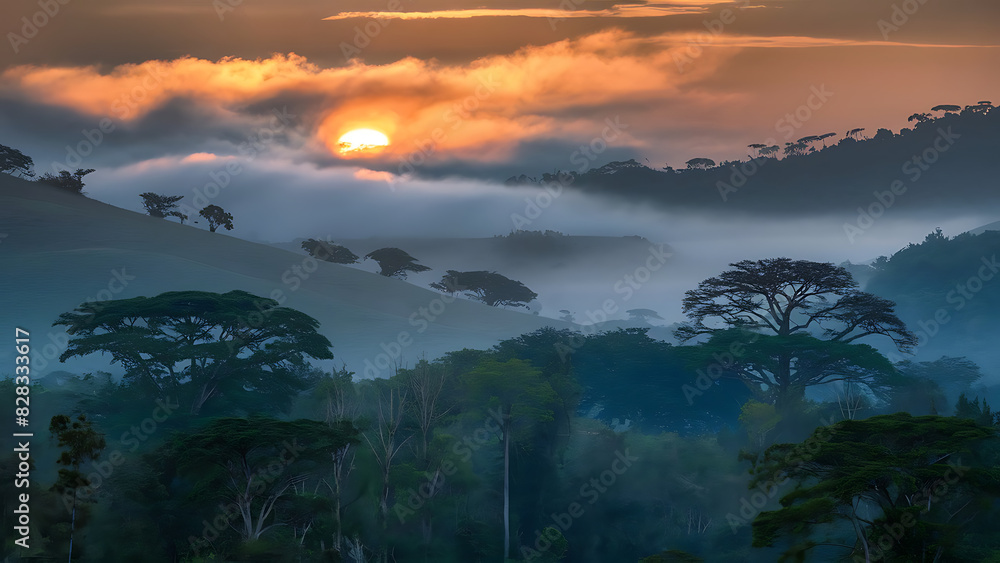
481, 111
680, 95
620, 11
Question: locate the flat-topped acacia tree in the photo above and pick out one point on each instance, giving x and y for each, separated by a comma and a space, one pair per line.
491, 288
395, 263
235, 348
783, 325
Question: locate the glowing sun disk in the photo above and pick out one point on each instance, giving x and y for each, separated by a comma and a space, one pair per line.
362, 140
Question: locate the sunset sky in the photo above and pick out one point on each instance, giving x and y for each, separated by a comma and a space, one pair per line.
467, 94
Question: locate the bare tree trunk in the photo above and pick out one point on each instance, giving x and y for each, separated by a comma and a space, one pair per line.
72, 527
383, 445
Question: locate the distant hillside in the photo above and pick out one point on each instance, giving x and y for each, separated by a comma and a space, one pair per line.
59, 249
566, 271
995, 226
948, 292
943, 163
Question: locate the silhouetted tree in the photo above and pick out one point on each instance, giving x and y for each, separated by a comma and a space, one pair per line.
825, 136
883, 134
162, 206
794, 149
770, 151
981, 413
69, 182
780, 300
700, 163
854, 133
15, 163
196, 345
643, 315
947, 108
217, 217
489, 287
395, 263
328, 251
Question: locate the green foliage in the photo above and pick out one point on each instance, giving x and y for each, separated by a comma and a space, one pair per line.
767, 308
672, 556
759, 419
239, 350
909, 475
82, 443
982, 414
953, 375
256, 466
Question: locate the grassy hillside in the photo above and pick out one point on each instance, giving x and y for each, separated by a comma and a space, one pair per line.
61, 249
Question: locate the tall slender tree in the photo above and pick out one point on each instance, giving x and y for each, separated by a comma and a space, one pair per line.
83, 443
520, 396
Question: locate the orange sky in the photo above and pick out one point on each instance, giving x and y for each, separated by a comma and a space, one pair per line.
456, 85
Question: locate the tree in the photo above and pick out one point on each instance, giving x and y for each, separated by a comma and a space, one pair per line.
672, 556
82, 444
883, 134
70, 182
903, 484
339, 400
391, 404
643, 315
395, 263
520, 395
217, 217
919, 117
769, 152
767, 308
983, 414
328, 251
162, 206
953, 375
854, 133
426, 383
759, 419
253, 463
15, 163
795, 149
234, 348
489, 287
947, 108
824, 137
700, 163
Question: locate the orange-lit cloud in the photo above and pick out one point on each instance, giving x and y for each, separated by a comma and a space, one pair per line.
485, 108
624, 11
483, 111
199, 157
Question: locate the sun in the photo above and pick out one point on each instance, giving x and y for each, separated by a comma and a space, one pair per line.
362, 140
